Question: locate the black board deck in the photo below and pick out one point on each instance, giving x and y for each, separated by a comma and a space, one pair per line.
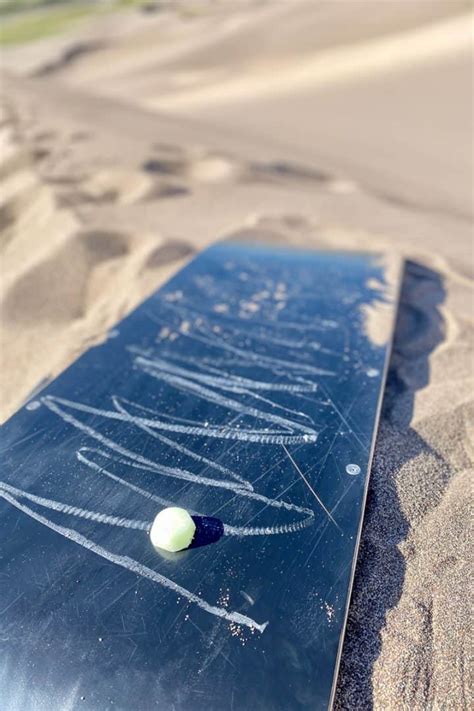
246, 390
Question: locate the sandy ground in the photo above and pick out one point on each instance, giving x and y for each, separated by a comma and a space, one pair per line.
129, 145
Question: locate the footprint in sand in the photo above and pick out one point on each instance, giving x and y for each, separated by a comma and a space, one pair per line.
107, 185
171, 251
120, 185
194, 165
55, 290
278, 171
162, 190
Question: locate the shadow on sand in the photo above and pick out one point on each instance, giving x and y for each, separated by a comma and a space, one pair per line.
381, 567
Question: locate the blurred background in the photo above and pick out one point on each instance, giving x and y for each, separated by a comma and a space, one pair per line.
134, 133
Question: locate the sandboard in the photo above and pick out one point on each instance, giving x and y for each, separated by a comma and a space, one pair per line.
247, 390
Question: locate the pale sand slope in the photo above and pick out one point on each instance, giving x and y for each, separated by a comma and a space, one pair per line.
103, 200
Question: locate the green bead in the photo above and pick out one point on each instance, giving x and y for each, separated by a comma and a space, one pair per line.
172, 530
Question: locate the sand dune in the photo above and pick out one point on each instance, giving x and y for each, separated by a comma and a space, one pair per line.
321, 68
102, 199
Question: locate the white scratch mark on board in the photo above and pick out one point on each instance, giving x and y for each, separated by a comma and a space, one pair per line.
134, 566
311, 489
